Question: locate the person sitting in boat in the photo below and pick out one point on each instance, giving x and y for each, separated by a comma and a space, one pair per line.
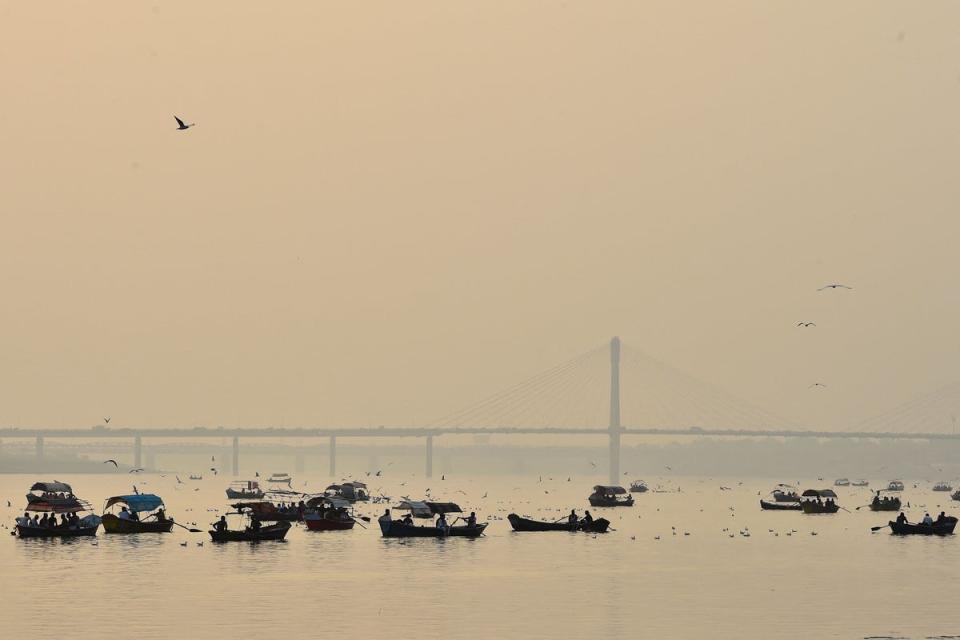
901, 519
573, 518
36, 521
587, 518
407, 520
161, 515
927, 519
442, 523
255, 525
64, 522
941, 517
43, 521
25, 520
124, 514
221, 524
74, 520
472, 519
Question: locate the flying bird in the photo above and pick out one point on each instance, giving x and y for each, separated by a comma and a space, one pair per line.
181, 125
114, 462
806, 324
817, 384
834, 286
179, 481
135, 470
107, 419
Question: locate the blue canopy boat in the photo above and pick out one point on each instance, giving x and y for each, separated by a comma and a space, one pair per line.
127, 518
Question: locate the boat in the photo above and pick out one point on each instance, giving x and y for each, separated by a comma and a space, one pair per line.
885, 503
600, 525
943, 528
276, 531
610, 496
860, 483
244, 490
267, 511
350, 491
280, 478
638, 486
418, 509
193, 477
841, 482
779, 495
895, 485
779, 506
136, 504
942, 486
52, 499
819, 501
956, 495
326, 513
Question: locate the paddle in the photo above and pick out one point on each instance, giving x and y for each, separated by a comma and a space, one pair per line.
883, 526
357, 521
188, 528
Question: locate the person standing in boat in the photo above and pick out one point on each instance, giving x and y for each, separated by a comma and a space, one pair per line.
442, 524
386, 517
573, 518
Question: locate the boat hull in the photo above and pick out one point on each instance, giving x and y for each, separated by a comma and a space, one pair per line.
780, 506
600, 525
890, 506
43, 532
113, 524
944, 528
813, 507
396, 529
244, 495
611, 502
273, 532
316, 523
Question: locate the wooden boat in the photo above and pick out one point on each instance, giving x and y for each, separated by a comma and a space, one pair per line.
325, 513
885, 503
269, 512
56, 498
193, 477
610, 496
942, 486
244, 490
397, 529
600, 525
841, 482
819, 501
136, 504
349, 491
860, 483
780, 506
638, 486
943, 528
280, 479
895, 485
276, 531
956, 495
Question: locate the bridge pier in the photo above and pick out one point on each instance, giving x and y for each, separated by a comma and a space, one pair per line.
333, 456
39, 447
615, 426
137, 452
235, 466
429, 469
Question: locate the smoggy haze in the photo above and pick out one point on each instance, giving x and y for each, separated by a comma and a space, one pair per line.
387, 211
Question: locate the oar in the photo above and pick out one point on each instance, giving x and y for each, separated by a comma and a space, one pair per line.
883, 526
188, 528
357, 521
847, 510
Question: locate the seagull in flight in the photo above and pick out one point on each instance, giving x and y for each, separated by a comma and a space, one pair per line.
817, 384
181, 125
806, 324
834, 286
113, 462
107, 420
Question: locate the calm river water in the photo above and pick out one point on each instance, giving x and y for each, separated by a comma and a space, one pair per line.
643, 580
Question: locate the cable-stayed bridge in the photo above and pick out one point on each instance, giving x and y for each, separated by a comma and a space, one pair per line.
611, 391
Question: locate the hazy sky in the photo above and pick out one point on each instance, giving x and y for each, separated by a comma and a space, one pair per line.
388, 210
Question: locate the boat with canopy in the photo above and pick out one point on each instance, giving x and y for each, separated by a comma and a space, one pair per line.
423, 509
326, 513
942, 486
885, 503
244, 490
819, 501
267, 511
895, 485
610, 496
350, 491
53, 499
638, 486
783, 498
121, 514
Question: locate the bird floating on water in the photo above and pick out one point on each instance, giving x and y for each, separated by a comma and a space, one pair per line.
181, 125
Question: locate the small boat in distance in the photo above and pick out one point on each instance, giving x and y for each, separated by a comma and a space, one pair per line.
785, 493
781, 500
942, 486
127, 518
955, 495
600, 525
819, 501
610, 496
885, 503
325, 513
419, 509
280, 479
349, 491
860, 483
895, 485
252, 533
638, 486
244, 490
197, 477
841, 482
